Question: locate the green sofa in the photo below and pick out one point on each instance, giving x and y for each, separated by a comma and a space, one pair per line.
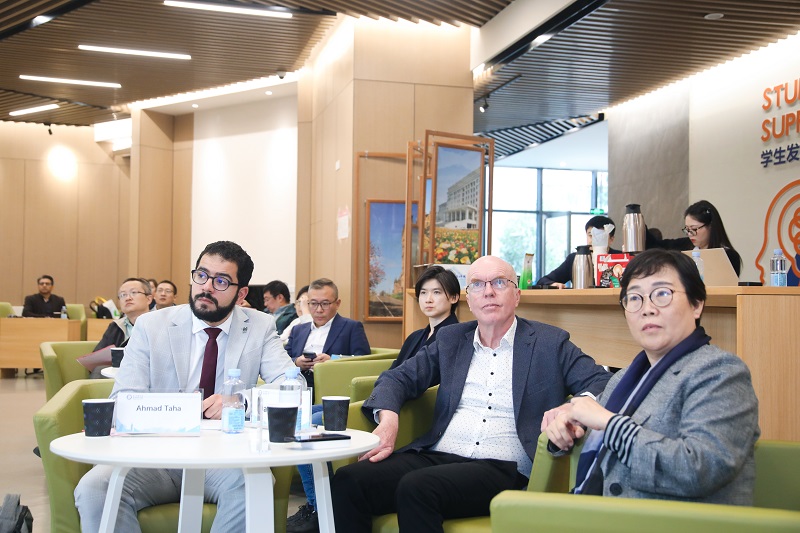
78, 312
63, 415
332, 378
776, 507
60, 365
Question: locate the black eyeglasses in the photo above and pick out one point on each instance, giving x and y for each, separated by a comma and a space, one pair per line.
324, 305
498, 284
661, 297
219, 283
691, 232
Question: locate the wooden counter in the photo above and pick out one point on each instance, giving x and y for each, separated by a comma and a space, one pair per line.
96, 327
20, 339
759, 324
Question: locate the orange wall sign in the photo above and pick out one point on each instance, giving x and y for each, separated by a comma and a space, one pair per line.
781, 102
782, 230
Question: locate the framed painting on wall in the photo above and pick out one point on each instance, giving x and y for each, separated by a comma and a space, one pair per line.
385, 260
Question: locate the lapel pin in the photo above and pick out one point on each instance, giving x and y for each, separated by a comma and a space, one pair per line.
244, 329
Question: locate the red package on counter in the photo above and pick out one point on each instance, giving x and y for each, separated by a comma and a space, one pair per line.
609, 269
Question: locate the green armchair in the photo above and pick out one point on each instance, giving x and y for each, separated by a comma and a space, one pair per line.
332, 378
78, 312
59, 361
6, 309
63, 415
776, 506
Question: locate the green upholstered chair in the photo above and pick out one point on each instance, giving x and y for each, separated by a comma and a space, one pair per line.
6, 309
59, 361
361, 387
78, 312
374, 354
63, 415
332, 378
776, 504
516, 512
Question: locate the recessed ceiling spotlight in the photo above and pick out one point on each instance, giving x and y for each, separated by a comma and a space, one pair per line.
268, 93
72, 82
30, 110
714, 16
195, 106
228, 9
41, 19
130, 52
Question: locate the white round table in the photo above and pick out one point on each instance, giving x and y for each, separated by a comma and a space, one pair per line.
212, 449
109, 372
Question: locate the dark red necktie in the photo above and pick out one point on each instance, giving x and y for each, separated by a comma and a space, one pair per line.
208, 377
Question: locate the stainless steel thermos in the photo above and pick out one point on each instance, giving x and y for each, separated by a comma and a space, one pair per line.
633, 229
582, 269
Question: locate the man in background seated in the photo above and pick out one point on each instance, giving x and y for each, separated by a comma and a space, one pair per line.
44, 304
166, 291
168, 351
327, 334
563, 273
276, 303
497, 376
134, 300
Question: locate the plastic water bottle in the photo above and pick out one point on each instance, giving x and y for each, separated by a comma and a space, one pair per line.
291, 393
698, 261
64, 311
778, 267
233, 402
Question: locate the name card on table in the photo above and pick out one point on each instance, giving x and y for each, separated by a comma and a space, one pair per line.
161, 413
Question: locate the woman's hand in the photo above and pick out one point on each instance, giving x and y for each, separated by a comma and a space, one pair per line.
570, 420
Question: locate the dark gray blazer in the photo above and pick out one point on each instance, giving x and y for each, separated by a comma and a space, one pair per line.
699, 427
547, 368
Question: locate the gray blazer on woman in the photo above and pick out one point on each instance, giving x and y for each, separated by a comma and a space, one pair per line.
699, 427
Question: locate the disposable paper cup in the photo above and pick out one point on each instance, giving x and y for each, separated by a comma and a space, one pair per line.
116, 356
281, 421
334, 412
98, 416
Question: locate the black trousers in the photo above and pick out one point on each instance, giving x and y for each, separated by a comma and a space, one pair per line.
424, 488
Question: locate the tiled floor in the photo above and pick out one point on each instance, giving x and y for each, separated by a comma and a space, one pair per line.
20, 470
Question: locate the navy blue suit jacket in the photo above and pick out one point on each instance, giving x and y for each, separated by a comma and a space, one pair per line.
547, 367
346, 337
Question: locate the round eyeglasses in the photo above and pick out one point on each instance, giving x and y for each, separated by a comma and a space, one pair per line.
220, 283
498, 284
691, 232
661, 297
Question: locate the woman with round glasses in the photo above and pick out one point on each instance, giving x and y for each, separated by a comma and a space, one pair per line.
438, 292
681, 421
703, 228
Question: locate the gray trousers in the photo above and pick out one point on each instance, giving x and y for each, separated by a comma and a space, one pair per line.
145, 487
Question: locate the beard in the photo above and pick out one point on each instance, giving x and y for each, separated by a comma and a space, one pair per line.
210, 315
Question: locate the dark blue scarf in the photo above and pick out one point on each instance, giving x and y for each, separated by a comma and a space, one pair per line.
625, 387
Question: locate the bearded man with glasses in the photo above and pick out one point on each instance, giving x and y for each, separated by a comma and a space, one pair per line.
184, 348
497, 376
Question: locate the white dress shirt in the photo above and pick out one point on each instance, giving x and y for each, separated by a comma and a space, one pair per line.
316, 339
199, 340
483, 426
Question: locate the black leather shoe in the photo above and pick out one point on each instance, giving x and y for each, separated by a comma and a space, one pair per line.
303, 521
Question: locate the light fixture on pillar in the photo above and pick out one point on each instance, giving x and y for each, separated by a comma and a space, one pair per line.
485, 105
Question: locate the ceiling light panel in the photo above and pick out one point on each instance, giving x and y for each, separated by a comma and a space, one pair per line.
228, 9
127, 51
30, 110
71, 82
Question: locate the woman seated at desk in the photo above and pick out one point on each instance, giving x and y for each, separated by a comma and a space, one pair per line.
681, 421
703, 228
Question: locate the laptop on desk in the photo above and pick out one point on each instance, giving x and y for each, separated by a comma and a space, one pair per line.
717, 268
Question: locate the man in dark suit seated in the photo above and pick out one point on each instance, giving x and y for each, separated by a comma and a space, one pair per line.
496, 378
43, 304
328, 334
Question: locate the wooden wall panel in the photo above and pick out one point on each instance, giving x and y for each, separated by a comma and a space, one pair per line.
442, 108
182, 262
51, 226
384, 119
97, 256
12, 202
155, 213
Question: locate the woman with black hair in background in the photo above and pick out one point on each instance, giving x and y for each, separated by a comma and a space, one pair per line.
703, 228
438, 292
